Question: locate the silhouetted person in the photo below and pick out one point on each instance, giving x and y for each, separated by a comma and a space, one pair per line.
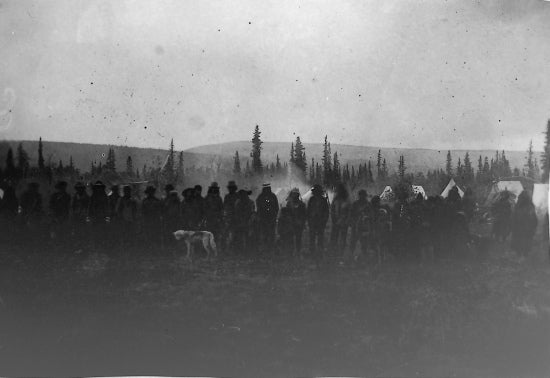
360, 219
267, 206
80, 205
213, 206
524, 224
340, 211
199, 208
502, 214
244, 210
151, 210
114, 196
297, 214
60, 204
9, 208
317, 217
229, 215
98, 214
31, 206
171, 215
469, 204
126, 213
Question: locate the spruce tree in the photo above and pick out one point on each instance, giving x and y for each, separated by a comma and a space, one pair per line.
278, 165
256, 153
300, 157
170, 163
449, 165
129, 166
180, 169
326, 162
10, 171
401, 168
110, 163
468, 170
384, 169
40, 156
335, 168
292, 153
379, 164
22, 161
237, 164
530, 164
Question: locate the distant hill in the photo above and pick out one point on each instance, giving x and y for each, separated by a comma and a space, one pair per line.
415, 159
208, 155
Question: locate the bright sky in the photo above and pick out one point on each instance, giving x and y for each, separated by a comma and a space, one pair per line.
424, 74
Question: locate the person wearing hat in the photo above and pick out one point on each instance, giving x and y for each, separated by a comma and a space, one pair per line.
268, 209
229, 215
60, 204
151, 211
79, 205
171, 216
340, 210
126, 213
31, 205
317, 217
244, 211
198, 209
98, 215
296, 210
360, 221
502, 214
213, 211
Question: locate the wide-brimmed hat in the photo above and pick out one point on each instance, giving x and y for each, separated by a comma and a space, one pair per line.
150, 190
99, 183
168, 187
214, 185
266, 185
79, 185
61, 184
231, 184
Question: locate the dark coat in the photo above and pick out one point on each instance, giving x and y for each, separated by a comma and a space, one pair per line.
317, 211
268, 206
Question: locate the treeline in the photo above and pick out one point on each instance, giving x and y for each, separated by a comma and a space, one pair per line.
468, 171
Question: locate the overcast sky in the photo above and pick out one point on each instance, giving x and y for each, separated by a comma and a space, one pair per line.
428, 74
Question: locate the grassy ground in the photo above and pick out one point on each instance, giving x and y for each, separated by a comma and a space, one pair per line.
95, 314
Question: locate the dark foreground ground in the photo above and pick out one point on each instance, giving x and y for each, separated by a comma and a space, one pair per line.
90, 314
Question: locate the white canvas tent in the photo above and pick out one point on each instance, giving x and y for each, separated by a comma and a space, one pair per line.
540, 198
419, 189
450, 185
387, 194
513, 187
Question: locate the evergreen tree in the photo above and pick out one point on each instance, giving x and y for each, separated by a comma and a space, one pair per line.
71, 164
449, 165
312, 171
300, 157
292, 153
460, 170
144, 171
506, 170
545, 160
468, 170
278, 165
479, 176
169, 166
486, 171
336, 168
379, 164
22, 161
137, 173
384, 169
236, 164
110, 163
40, 156
180, 172
247, 171
129, 166
318, 172
10, 171
256, 153
326, 162
370, 177
530, 165
401, 168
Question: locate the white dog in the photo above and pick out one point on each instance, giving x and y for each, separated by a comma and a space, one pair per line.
191, 237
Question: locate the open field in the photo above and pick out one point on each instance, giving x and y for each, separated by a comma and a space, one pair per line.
139, 313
